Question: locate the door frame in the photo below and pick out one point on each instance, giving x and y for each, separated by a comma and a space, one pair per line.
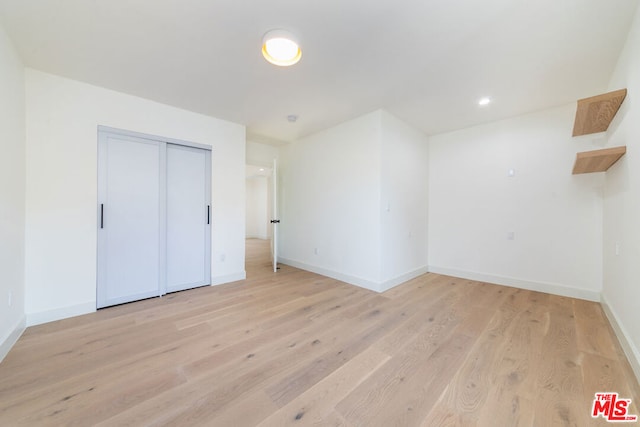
123, 132
102, 136
275, 220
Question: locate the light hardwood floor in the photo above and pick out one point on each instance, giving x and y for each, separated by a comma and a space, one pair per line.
295, 348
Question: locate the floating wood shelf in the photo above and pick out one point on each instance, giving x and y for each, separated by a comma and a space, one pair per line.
597, 160
594, 114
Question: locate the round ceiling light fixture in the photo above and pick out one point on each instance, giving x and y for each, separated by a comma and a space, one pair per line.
281, 48
484, 101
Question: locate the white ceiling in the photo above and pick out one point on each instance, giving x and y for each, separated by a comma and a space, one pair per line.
425, 61
253, 171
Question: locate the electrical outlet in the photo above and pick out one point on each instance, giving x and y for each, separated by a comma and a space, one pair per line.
315, 251
223, 257
617, 248
511, 235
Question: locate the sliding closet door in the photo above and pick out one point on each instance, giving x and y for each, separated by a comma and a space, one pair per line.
188, 217
131, 194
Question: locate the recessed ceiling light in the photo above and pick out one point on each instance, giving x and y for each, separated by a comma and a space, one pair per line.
484, 101
292, 118
261, 169
281, 48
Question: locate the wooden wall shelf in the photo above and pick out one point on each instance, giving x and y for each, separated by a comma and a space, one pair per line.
595, 114
597, 160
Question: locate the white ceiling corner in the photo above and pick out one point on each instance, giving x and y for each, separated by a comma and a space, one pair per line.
427, 62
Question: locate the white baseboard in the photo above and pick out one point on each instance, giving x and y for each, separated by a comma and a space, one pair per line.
40, 317
12, 338
631, 351
352, 280
385, 286
549, 288
219, 280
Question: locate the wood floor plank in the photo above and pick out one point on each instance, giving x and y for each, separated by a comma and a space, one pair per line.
365, 331
405, 395
297, 348
230, 374
404, 390
314, 405
105, 397
559, 377
469, 388
333, 419
512, 394
86, 356
86, 385
248, 411
592, 334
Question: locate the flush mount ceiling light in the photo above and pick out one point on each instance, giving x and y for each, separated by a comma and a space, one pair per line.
281, 48
484, 101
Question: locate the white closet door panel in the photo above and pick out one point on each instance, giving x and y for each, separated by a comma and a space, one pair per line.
130, 237
188, 241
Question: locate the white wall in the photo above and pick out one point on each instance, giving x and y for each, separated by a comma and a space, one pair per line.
556, 217
330, 200
257, 204
12, 203
61, 156
621, 293
404, 195
261, 154
358, 193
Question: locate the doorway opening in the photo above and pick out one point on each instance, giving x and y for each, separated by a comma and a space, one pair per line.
259, 230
